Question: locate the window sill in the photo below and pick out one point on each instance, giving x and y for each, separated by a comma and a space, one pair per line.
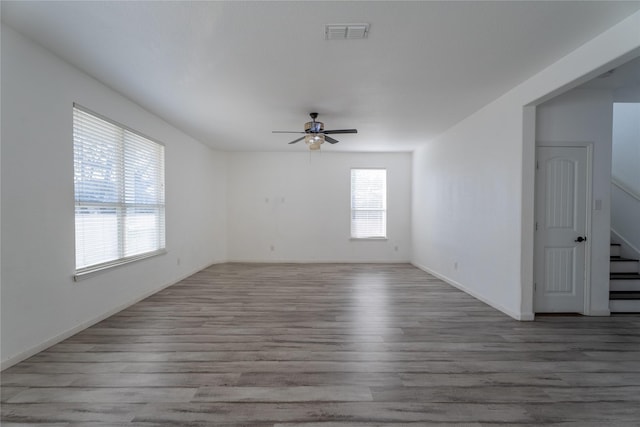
384, 239
85, 273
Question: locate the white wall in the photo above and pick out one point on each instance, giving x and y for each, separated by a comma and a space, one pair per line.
466, 201
627, 94
586, 116
625, 222
625, 194
626, 144
299, 204
40, 302
481, 197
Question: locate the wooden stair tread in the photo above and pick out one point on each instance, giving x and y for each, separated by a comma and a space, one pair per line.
619, 258
624, 276
618, 295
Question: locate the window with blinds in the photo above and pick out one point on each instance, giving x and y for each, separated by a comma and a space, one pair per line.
368, 203
119, 193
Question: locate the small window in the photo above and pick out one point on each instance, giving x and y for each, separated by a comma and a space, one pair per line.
119, 193
368, 203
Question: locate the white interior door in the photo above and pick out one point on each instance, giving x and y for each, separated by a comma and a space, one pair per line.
561, 229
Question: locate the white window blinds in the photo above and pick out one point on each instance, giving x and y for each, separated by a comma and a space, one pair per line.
119, 193
368, 203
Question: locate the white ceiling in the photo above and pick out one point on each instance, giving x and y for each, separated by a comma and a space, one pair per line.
228, 73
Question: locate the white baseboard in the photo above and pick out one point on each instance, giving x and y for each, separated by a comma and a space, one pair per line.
516, 315
313, 261
527, 316
23, 355
603, 313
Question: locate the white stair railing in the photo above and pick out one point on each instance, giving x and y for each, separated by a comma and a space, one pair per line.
625, 215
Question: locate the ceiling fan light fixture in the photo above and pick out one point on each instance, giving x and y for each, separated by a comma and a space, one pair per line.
314, 141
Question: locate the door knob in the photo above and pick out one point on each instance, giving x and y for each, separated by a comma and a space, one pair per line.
581, 239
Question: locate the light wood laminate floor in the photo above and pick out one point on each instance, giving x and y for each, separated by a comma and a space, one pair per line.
329, 345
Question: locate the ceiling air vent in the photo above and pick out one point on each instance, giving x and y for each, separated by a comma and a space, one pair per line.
346, 31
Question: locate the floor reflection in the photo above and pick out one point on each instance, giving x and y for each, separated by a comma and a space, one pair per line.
371, 317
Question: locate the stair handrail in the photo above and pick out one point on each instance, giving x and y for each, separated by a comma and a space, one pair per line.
624, 188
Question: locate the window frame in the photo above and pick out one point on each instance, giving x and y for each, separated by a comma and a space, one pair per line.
121, 205
384, 209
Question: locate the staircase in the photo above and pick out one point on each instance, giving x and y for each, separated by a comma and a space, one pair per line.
624, 283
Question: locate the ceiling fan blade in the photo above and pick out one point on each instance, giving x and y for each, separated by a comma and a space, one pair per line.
330, 140
296, 140
285, 131
329, 132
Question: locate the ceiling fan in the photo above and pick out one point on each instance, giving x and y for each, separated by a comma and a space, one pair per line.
315, 135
